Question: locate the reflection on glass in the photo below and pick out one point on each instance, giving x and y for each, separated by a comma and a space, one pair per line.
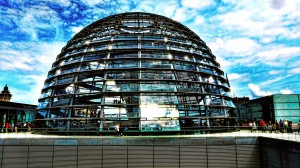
156, 118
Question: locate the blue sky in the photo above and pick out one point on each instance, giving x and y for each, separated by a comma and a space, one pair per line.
256, 42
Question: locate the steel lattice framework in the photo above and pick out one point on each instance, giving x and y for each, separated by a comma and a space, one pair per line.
142, 71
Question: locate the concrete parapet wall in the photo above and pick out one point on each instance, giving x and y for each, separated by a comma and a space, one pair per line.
279, 153
139, 152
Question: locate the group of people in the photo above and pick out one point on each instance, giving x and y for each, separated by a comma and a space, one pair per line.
12, 127
283, 126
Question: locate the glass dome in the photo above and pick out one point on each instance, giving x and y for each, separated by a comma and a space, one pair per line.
141, 71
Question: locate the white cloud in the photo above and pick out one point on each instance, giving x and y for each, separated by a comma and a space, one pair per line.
248, 52
256, 92
275, 72
63, 3
92, 2
238, 77
280, 52
169, 10
40, 63
33, 22
180, 14
263, 20
286, 91
199, 20
273, 63
32, 65
224, 64
158, 7
294, 64
31, 95
31, 57
75, 30
270, 81
294, 71
267, 39
294, 33
183, 14
234, 47
198, 4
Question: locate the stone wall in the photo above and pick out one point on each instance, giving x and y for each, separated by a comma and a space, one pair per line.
139, 152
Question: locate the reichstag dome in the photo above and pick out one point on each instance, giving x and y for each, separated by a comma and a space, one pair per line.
140, 72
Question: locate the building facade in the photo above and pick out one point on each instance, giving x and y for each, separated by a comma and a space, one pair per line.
269, 108
140, 71
11, 112
242, 107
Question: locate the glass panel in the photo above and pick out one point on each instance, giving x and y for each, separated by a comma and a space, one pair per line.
115, 100
153, 44
158, 55
44, 103
157, 75
113, 86
179, 47
60, 101
126, 37
187, 76
185, 66
87, 99
58, 113
123, 75
89, 87
183, 57
91, 118
94, 57
115, 113
92, 66
69, 70
90, 77
156, 117
125, 44
60, 90
101, 38
49, 83
124, 55
286, 98
65, 79
216, 112
187, 100
286, 106
151, 36
123, 64
159, 100
209, 71
158, 87
156, 64
216, 101
99, 47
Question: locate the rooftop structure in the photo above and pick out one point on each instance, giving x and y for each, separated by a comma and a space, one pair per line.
138, 71
269, 108
12, 112
5, 94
